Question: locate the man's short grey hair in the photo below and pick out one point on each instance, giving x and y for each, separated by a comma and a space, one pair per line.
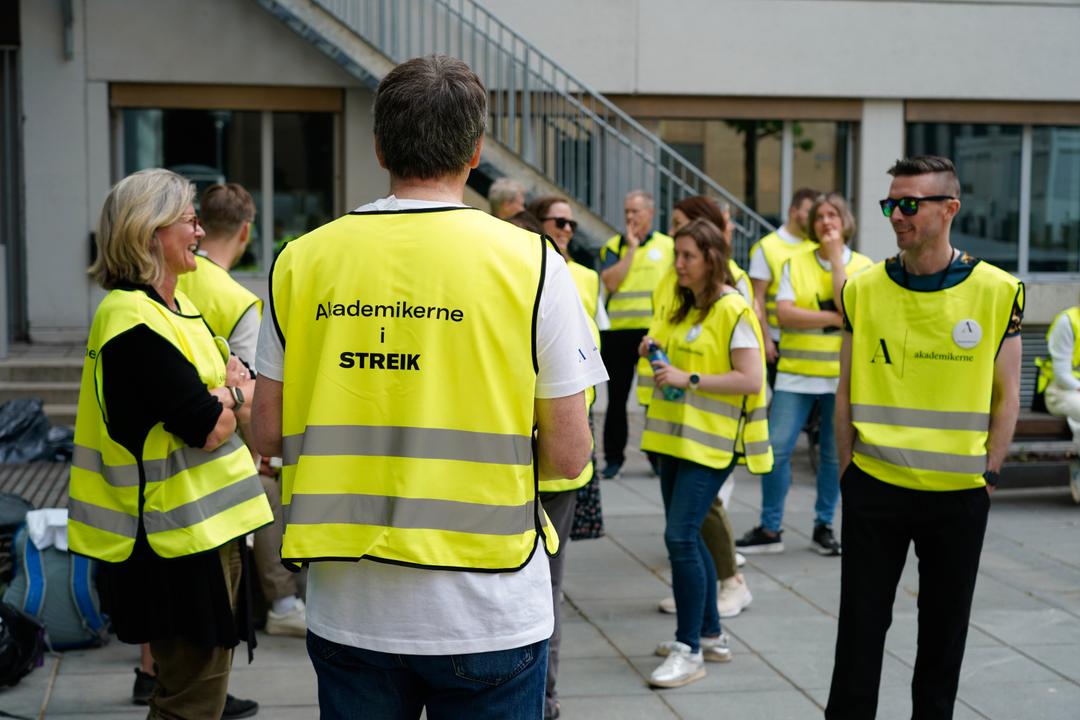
644, 195
430, 114
504, 190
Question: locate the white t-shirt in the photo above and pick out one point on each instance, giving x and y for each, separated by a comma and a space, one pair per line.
412, 611
806, 384
1060, 344
759, 269
245, 335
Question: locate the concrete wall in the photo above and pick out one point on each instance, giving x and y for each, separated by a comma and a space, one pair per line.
819, 48
67, 131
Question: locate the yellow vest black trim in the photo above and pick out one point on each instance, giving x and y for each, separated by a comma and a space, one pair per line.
191, 501
922, 374
814, 351
1046, 365
663, 304
777, 252
630, 306
222, 301
709, 428
407, 401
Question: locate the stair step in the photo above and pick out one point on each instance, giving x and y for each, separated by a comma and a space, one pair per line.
60, 413
41, 369
49, 392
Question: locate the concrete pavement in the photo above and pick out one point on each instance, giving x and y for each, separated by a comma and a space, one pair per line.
1023, 656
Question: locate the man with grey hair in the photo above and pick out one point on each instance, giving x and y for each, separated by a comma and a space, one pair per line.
507, 198
403, 402
631, 265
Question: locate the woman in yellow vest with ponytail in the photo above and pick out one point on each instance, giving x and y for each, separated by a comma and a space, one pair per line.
809, 307
713, 410
162, 488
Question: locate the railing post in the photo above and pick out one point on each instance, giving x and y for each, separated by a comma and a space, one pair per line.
527, 146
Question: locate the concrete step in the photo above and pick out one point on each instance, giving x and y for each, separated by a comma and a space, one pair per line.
41, 369
60, 413
49, 392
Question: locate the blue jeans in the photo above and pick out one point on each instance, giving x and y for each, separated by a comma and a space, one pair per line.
688, 490
787, 415
356, 683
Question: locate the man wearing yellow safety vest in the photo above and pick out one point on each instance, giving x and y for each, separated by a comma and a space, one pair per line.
233, 312
1059, 377
631, 266
767, 258
422, 370
925, 411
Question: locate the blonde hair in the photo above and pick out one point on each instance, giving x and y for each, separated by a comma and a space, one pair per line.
127, 248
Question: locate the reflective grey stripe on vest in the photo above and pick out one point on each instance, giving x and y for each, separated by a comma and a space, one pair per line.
629, 313
932, 419
196, 511
410, 442
646, 381
804, 331
924, 459
665, 427
179, 460
705, 404
819, 355
102, 518
631, 294
771, 297
410, 513
756, 448
761, 413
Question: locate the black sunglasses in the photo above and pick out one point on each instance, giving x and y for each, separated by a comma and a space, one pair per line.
908, 205
561, 223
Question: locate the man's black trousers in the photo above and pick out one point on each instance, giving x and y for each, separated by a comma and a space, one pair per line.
879, 522
619, 351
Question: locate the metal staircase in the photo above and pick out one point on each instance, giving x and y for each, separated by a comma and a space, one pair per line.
550, 129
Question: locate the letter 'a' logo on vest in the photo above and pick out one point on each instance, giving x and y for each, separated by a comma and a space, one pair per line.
882, 353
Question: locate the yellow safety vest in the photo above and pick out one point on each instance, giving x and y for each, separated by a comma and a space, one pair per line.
630, 307
220, 298
709, 428
922, 371
663, 305
1046, 365
588, 286
408, 395
814, 351
193, 500
777, 252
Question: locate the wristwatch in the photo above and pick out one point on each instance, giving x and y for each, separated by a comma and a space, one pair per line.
991, 478
238, 396
694, 380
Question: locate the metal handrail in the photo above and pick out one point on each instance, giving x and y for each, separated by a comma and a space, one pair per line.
567, 131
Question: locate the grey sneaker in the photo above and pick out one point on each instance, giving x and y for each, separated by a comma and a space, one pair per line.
712, 649
680, 667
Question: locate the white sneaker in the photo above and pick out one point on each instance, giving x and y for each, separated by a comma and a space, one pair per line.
712, 649
733, 597
667, 605
292, 623
740, 559
680, 667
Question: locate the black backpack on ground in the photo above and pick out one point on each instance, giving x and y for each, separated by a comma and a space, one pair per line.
22, 644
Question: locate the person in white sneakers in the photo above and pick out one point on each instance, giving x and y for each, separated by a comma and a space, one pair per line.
709, 408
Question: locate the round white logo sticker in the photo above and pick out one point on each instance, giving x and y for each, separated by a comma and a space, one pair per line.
967, 334
654, 254
694, 333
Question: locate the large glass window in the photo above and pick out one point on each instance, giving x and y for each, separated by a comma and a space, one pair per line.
1055, 200
988, 159
823, 156
216, 146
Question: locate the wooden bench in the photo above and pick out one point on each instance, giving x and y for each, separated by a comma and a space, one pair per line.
1042, 454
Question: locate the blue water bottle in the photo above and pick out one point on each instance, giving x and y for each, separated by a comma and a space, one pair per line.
657, 354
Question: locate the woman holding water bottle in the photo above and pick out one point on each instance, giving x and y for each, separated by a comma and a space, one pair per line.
711, 351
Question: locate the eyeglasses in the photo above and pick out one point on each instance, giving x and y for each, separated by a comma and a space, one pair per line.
561, 223
909, 205
193, 219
